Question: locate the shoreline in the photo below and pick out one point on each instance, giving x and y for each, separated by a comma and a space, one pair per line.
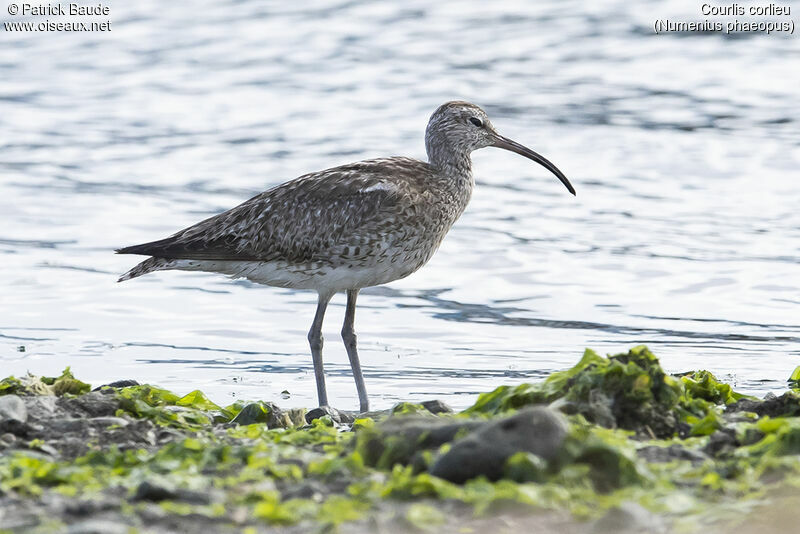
610, 444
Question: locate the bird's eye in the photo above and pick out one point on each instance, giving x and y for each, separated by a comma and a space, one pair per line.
476, 121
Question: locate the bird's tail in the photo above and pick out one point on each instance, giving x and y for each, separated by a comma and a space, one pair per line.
147, 266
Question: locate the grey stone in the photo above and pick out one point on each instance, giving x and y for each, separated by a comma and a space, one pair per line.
18, 428
537, 430
787, 405
428, 432
401, 439
68, 425
339, 417
436, 406
94, 404
721, 442
97, 526
309, 489
655, 454
78, 507
40, 406
149, 491
153, 492
47, 449
109, 421
8, 438
13, 409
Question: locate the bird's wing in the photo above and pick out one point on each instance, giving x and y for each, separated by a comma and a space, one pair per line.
301, 220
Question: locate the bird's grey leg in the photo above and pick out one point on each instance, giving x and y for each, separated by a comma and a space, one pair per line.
349, 337
315, 340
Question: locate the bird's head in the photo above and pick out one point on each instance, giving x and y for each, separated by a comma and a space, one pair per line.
457, 128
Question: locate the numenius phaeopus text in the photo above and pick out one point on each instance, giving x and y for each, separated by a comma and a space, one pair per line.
345, 228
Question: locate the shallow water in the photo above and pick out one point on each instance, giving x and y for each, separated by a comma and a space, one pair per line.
684, 150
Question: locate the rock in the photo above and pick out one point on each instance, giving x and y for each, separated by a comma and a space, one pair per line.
402, 439
308, 489
722, 442
40, 406
655, 454
537, 430
86, 507
596, 408
336, 416
68, 425
108, 421
17, 428
8, 438
99, 526
628, 517
786, 405
47, 449
94, 404
165, 435
153, 492
148, 491
12, 409
436, 406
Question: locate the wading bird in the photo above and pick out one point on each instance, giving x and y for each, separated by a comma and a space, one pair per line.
344, 228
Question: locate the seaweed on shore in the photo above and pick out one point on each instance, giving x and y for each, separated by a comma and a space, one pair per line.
582, 445
628, 391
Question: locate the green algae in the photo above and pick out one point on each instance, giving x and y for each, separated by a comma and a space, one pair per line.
192, 411
628, 391
618, 449
11, 385
424, 517
66, 384
794, 379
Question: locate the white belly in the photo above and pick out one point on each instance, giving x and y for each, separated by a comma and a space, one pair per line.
314, 276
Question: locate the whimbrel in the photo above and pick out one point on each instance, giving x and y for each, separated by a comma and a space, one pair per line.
345, 228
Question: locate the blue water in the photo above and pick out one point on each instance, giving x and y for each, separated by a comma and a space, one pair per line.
684, 150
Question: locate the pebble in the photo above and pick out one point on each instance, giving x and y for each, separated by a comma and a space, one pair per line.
436, 406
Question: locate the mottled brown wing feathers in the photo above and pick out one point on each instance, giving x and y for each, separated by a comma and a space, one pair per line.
299, 221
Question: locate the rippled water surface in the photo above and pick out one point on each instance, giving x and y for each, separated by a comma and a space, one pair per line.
684, 150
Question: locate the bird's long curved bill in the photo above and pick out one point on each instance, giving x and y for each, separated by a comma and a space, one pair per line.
513, 146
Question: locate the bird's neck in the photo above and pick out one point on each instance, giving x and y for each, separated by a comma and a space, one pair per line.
455, 165
454, 170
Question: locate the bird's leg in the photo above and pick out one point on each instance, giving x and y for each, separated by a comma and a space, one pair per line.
349, 337
315, 340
